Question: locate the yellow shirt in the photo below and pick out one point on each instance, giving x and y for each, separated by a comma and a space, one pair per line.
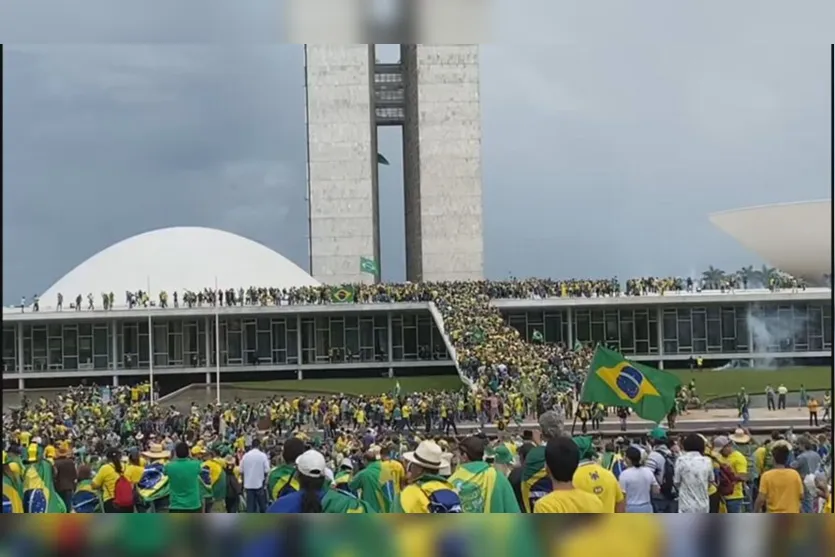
783, 490
739, 464
106, 481
759, 460
134, 473
395, 471
637, 535
568, 501
596, 480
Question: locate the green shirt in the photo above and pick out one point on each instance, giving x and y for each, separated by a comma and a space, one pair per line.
184, 484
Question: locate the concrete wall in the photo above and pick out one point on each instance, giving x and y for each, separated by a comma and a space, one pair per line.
442, 163
342, 161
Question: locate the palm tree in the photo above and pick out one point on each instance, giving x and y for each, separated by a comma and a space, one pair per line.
764, 275
746, 274
713, 277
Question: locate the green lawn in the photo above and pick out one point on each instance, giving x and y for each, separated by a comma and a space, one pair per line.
712, 384
709, 384
359, 386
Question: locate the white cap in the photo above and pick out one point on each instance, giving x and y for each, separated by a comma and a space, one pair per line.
311, 464
347, 463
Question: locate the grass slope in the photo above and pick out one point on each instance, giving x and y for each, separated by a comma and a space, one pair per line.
709, 383
360, 386
712, 384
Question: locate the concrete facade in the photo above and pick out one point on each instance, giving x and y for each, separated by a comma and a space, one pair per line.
442, 163
342, 162
439, 111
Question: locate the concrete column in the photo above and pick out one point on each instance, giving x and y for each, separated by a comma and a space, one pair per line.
299, 341
659, 318
299, 374
20, 349
20, 384
569, 315
115, 380
209, 348
208, 380
114, 348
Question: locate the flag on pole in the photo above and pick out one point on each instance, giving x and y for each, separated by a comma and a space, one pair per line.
615, 381
397, 389
368, 265
537, 336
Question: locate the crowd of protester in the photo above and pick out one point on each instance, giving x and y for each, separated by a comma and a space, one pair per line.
87, 452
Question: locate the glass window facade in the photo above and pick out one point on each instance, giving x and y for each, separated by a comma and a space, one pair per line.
697, 330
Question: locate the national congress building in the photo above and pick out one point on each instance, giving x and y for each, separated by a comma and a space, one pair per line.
50, 347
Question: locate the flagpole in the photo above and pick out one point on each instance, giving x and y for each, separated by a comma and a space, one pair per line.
150, 338
217, 340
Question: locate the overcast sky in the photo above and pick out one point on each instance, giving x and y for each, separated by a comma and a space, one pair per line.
604, 150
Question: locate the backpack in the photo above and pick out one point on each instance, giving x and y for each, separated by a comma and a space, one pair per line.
443, 501
123, 493
668, 486
726, 481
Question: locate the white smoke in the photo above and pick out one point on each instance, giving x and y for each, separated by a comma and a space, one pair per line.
771, 335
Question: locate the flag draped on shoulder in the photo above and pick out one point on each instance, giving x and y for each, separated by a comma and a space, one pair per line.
281, 481
85, 499
615, 381
12, 495
214, 471
39, 494
153, 486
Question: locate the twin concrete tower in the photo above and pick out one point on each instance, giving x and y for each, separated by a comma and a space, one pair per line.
433, 94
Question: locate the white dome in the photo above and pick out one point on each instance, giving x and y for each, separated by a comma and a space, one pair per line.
177, 259
794, 237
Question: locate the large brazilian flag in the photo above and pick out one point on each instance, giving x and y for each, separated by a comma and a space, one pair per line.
213, 476
12, 495
39, 494
615, 381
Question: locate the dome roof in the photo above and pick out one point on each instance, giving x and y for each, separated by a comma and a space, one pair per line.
177, 259
794, 237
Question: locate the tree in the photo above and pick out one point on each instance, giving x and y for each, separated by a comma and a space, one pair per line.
764, 275
713, 276
746, 274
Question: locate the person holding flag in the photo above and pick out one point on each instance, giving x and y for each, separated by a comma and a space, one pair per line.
615, 381
481, 487
39, 495
12, 489
374, 484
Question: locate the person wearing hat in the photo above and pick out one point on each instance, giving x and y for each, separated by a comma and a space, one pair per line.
661, 461
427, 492
562, 457
535, 480
372, 484
481, 487
342, 478
156, 453
12, 489
313, 496
65, 474
736, 462
592, 478
502, 460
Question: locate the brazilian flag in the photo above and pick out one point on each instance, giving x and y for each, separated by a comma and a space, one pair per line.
615, 381
85, 500
153, 485
213, 478
342, 294
39, 494
12, 495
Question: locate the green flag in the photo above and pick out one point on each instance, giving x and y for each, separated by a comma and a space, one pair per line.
615, 381
478, 336
368, 265
342, 294
382, 160
578, 346
537, 336
397, 389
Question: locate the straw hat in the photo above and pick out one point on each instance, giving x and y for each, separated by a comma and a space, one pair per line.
155, 451
740, 436
428, 455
